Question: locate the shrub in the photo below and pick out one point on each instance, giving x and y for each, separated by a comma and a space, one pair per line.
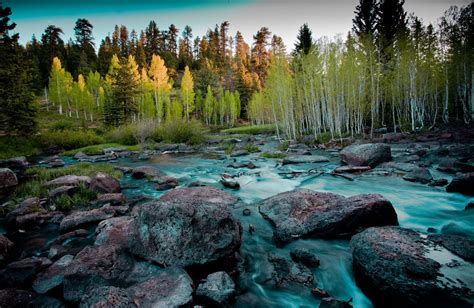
284, 146
70, 139
62, 125
251, 130
122, 135
11, 146
252, 148
181, 131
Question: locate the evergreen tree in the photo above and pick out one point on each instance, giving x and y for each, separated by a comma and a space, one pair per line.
304, 40
52, 46
17, 106
365, 20
153, 40
85, 42
260, 57
392, 21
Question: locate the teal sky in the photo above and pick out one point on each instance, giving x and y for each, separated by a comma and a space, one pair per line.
283, 17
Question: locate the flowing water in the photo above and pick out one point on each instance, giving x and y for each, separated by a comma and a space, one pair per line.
418, 207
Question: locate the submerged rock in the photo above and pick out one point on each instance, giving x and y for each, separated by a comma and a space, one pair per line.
399, 267
218, 287
462, 183
304, 256
146, 172
304, 159
183, 229
230, 183
419, 175
165, 183
104, 183
306, 213
7, 178
370, 154
281, 272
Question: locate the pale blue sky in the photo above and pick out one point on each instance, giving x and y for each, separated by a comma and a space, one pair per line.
325, 18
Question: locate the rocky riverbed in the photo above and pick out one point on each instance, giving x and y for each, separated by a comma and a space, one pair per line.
386, 223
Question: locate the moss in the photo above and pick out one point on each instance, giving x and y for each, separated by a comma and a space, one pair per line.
251, 130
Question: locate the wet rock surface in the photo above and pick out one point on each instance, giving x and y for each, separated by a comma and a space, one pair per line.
371, 154
462, 183
218, 288
306, 213
187, 230
399, 267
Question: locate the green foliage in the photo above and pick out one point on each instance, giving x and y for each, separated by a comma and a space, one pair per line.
252, 148
229, 147
121, 135
251, 130
180, 131
273, 155
99, 149
62, 125
81, 198
70, 139
283, 146
11, 146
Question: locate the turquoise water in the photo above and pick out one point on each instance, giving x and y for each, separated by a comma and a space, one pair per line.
418, 207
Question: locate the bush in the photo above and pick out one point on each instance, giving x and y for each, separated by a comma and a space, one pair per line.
191, 132
70, 139
251, 130
99, 149
252, 148
123, 135
62, 125
11, 146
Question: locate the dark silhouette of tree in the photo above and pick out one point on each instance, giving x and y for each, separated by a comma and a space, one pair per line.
365, 20
304, 40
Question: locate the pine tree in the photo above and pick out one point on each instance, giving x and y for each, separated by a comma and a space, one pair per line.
365, 20
392, 21
85, 41
260, 58
17, 106
304, 40
187, 92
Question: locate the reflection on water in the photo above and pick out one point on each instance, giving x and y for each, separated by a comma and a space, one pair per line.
418, 207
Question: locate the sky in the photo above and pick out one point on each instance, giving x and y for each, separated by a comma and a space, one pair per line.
282, 17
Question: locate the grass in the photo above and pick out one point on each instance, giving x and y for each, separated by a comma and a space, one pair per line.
99, 149
272, 155
252, 148
284, 146
228, 147
70, 139
41, 175
251, 129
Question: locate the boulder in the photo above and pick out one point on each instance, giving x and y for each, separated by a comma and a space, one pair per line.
81, 218
35, 219
469, 206
370, 154
462, 183
104, 183
438, 182
147, 285
304, 159
69, 180
5, 249
53, 276
27, 206
459, 245
306, 213
7, 178
16, 164
123, 169
113, 231
218, 288
183, 228
165, 182
304, 256
21, 273
399, 267
146, 172
279, 272
238, 153
419, 175
230, 183
62, 190
113, 199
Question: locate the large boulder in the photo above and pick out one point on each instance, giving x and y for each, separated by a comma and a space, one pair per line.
307, 213
113, 231
17, 164
7, 178
170, 287
146, 172
185, 227
462, 183
111, 266
104, 183
218, 287
27, 206
419, 175
399, 267
370, 154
